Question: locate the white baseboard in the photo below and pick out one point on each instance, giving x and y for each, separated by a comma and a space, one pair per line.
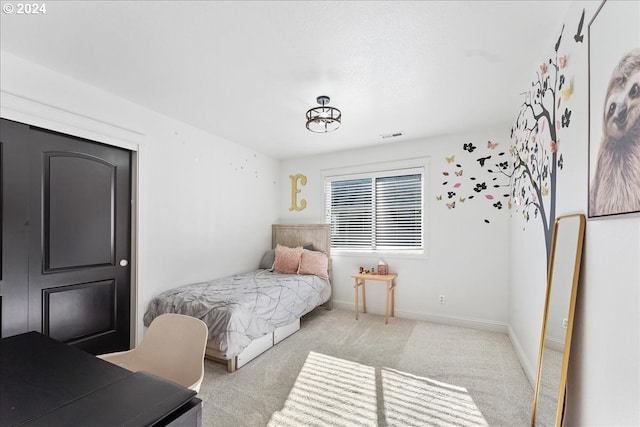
465, 322
529, 368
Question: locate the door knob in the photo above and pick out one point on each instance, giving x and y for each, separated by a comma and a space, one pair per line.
124, 262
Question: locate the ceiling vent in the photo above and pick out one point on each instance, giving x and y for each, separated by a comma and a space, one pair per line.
391, 135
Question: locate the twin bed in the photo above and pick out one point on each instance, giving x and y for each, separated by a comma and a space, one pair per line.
251, 312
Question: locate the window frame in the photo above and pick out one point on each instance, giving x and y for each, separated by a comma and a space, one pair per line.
386, 169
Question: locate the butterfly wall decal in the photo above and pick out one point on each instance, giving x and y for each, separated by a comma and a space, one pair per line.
458, 190
544, 68
562, 62
566, 93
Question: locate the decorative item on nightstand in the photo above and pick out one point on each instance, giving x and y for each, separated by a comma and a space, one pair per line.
383, 268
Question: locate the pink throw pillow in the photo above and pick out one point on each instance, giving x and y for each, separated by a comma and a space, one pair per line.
287, 259
313, 262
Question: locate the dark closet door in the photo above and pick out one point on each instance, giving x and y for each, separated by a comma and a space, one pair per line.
14, 229
79, 203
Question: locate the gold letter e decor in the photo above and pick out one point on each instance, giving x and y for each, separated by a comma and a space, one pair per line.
295, 191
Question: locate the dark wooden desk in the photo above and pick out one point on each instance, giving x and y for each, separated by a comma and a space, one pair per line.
47, 383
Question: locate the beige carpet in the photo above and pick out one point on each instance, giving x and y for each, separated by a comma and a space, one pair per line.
335, 392
424, 374
330, 392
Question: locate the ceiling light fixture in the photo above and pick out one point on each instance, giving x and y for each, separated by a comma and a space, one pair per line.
324, 118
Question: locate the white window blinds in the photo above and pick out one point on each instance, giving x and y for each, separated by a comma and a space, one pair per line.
379, 212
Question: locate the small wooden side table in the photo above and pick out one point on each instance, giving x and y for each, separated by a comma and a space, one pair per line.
391, 291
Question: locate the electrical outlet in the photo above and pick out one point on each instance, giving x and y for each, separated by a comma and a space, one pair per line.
441, 299
565, 322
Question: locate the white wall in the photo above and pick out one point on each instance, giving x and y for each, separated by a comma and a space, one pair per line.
604, 371
466, 259
205, 205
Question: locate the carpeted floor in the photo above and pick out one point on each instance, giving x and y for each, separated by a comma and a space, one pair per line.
479, 367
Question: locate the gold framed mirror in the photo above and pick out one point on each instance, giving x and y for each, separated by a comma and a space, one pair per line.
557, 321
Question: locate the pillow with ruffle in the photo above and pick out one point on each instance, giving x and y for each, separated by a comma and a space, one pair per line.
287, 259
313, 262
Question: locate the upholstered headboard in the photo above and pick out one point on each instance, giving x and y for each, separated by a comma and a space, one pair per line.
293, 235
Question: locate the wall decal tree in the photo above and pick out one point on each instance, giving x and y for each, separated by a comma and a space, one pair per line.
535, 150
536, 158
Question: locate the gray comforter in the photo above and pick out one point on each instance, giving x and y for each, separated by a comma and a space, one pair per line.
240, 308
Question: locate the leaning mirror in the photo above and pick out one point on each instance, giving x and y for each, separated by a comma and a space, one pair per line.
557, 323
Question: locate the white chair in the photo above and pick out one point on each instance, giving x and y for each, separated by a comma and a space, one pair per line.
173, 348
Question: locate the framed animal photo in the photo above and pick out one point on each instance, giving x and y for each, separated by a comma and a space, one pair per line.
614, 109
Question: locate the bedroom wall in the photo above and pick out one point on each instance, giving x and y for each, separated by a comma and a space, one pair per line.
604, 371
204, 205
466, 258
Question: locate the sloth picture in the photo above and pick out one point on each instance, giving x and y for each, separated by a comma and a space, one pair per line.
615, 187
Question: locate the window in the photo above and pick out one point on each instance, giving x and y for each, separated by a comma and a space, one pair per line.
376, 212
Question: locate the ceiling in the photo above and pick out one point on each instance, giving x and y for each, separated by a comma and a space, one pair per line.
248, 71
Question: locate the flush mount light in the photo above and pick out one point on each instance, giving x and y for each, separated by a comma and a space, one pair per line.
324, 118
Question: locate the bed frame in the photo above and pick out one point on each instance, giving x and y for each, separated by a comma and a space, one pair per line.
291, 235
